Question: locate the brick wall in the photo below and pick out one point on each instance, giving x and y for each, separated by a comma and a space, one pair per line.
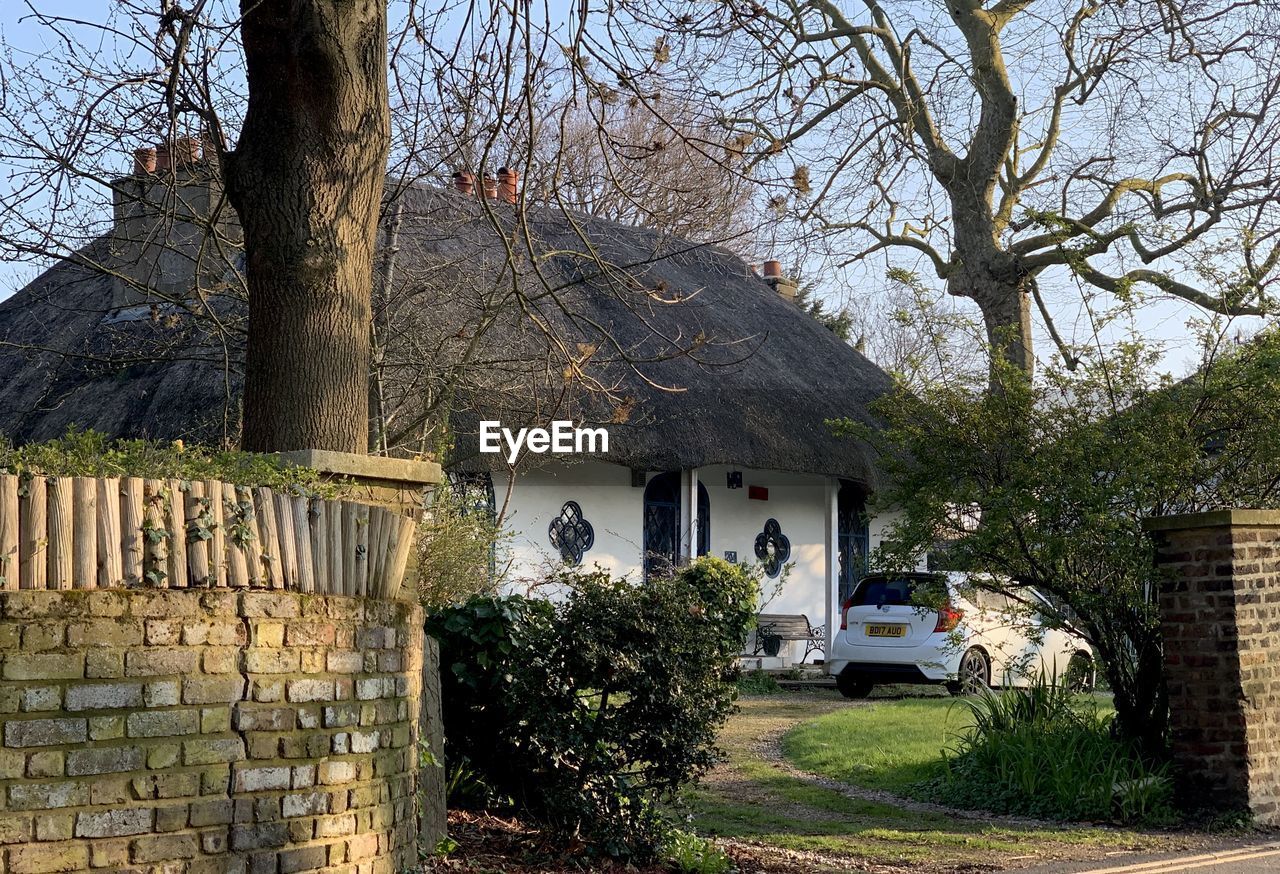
1220, 616
207, 731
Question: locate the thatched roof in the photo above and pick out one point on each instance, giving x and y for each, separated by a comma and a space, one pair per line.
701, 361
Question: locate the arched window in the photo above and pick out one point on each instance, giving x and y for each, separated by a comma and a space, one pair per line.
852, 536
662, 523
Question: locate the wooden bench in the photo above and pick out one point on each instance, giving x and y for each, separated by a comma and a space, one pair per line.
786, 628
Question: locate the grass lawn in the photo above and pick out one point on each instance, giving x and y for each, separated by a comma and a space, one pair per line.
758, 800
889, 745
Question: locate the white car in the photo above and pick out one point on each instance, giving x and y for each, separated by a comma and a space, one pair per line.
981, 640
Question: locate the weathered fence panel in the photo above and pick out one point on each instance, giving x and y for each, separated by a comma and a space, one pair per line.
32, 558
9, 532
85, 533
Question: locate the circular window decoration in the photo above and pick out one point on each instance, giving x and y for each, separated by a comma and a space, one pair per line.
773, 549
571, 534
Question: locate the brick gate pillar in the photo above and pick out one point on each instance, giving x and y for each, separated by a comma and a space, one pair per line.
1220, 617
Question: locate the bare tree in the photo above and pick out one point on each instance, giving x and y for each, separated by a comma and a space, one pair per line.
1004, 144
249, 145
917, 334
670, 170
290, 102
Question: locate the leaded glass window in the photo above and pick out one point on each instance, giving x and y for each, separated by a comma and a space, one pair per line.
773, 549
571, 534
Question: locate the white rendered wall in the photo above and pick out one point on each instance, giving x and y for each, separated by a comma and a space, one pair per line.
878, 532
608, 501
801, 503
798, 503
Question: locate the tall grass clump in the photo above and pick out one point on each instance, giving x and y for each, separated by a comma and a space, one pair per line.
1043, 751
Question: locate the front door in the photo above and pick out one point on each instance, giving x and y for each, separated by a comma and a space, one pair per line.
852, 538
662, 523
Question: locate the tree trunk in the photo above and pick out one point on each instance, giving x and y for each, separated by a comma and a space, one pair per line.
306, 179
1006, 313
992, 278
1140, 698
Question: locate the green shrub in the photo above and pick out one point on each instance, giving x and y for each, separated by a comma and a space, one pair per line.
1041, 751
458, 538
758, 683
480, 642
588, 712
691, 854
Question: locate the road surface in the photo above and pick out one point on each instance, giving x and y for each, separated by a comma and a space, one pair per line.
1246, 859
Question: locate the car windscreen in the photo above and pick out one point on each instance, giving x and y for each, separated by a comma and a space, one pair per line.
884, 591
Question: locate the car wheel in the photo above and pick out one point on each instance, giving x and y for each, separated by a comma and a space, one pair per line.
1081, 675
853, 685
974, 674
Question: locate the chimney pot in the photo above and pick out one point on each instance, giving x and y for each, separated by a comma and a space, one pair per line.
783, 286
186, 151
465, 182
508, 184
490, 187
163, 157
144, 161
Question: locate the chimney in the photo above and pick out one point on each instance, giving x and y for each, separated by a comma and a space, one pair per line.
465, 182
490, 187
144, 161
508, 184
163, 217
773, 275
186, 151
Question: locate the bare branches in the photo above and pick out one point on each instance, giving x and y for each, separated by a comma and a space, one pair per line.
1017, 140
474, 87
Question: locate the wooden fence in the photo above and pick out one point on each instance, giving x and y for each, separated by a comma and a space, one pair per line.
87, 533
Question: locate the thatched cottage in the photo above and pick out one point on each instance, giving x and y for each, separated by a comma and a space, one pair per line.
714, 387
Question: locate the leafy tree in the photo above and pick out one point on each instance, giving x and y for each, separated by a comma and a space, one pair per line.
1048, 484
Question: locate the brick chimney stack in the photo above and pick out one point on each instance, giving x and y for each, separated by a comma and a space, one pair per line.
773, 275
163, 215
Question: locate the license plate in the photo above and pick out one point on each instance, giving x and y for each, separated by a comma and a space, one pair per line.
886, 631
